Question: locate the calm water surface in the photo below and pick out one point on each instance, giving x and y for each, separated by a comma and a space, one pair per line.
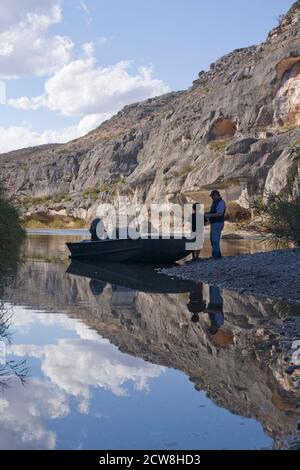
119, 357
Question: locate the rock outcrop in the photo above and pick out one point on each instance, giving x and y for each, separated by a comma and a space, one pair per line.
236, 128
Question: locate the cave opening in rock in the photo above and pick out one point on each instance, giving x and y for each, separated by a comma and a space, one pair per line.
285, 65
223, 129
287, 99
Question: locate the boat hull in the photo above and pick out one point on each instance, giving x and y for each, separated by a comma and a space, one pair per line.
134, 251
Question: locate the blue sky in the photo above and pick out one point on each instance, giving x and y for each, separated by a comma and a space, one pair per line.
70, 64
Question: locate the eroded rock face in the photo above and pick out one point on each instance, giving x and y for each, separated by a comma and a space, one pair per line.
287, 101
227, 131
279, 172
242, 145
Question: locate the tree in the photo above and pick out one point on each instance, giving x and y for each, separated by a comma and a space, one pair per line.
11, 231
280, 215
8, 368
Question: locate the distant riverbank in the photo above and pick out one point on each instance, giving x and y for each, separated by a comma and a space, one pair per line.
57, 231
274, 274
231, 232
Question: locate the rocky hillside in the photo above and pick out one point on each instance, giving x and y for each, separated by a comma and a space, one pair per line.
235, 128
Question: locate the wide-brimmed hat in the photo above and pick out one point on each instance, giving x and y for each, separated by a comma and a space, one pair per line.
215, 191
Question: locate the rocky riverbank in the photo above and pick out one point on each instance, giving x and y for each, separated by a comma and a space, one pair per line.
274, 274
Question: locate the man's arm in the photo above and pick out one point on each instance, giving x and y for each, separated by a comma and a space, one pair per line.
220, 213
213, 216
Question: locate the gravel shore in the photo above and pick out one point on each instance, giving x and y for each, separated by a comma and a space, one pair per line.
274, 274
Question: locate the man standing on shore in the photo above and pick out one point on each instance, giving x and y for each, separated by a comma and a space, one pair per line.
216, 218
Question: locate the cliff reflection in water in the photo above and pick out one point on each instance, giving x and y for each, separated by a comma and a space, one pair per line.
227, 344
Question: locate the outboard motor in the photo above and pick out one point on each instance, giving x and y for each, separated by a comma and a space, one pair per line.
97, 287
97, 230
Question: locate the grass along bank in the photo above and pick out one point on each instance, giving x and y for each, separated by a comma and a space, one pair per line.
47, 221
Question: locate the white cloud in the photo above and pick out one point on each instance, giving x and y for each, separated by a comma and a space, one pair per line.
75, 88
15, 137
81, 87
70, 369
26, 48
89, 49
27, 104
23, 412
70, 363
6, 49
13, 11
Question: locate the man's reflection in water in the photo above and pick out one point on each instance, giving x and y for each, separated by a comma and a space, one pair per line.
217, 334
215, 310
196, 304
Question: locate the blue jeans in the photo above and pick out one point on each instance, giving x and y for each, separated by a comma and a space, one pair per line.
215, 238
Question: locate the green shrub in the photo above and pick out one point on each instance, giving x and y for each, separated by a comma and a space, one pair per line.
60, 197
218, 145
11, 232
286, 127
36, 200
44, 220
280, 214
92, 193
166, 179
185, 170
105, 187
296, 150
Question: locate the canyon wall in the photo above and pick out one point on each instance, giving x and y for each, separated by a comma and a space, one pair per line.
236, 128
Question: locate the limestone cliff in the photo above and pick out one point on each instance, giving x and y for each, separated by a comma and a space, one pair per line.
236, 128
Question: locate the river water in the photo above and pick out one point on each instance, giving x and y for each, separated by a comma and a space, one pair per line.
120, 357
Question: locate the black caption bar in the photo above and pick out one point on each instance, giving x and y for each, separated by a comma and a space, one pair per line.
137, 459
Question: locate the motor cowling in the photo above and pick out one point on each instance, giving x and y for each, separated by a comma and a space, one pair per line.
97, 230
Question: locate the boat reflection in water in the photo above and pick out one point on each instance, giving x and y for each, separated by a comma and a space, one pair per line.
127, 280
109, 348
142, 278
220, 339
